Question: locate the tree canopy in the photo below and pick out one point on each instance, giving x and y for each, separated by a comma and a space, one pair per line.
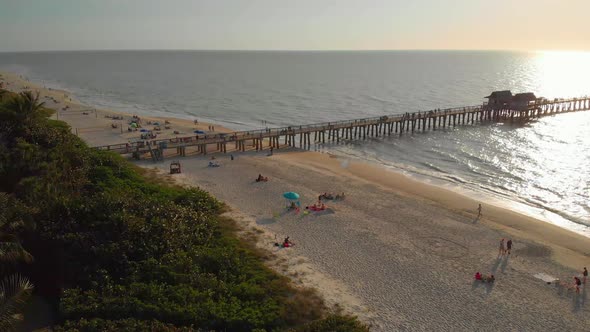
115, 251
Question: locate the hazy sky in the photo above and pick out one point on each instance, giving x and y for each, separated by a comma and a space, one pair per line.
294, 24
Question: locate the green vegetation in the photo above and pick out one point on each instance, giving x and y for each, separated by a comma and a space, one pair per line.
110, 250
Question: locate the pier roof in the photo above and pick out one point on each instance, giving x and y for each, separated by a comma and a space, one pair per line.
504, 94
526, 96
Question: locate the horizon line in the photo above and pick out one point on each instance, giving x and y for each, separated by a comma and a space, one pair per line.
290, 50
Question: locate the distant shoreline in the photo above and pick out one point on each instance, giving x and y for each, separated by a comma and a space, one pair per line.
187, 126
276, 51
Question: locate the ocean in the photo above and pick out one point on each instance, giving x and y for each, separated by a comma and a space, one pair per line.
540, 168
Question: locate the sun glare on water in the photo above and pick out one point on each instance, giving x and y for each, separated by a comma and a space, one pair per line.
562, 74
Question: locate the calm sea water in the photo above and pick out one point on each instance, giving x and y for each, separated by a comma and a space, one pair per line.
543, 166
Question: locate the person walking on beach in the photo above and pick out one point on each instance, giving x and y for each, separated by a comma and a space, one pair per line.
479, 211
509, 246
577, 284
585, 274
502, 249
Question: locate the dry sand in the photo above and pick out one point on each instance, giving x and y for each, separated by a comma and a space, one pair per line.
398, 253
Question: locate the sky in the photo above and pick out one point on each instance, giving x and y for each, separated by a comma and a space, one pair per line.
35, 25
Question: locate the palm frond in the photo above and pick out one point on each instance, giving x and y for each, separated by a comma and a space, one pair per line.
12, 252
14, 292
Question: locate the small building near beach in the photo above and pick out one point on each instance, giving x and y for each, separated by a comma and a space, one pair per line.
499, 99
521, 101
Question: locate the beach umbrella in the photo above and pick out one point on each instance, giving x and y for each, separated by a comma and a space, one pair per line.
199, 132
133, 124
291, 195
156, 123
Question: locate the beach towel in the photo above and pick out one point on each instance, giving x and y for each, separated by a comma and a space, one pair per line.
545, 277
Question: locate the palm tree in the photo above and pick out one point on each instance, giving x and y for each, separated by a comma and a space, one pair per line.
21, 109
14, 289
26, 103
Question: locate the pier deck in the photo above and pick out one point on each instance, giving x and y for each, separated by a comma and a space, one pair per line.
346, 130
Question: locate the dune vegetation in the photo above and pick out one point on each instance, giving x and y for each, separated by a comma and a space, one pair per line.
103, 247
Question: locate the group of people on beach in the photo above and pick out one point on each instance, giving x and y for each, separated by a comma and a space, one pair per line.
330, 196
487, 278
578, 282
319, 206
505, 247
576, 285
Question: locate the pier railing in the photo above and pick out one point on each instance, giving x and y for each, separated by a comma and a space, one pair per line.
422, 120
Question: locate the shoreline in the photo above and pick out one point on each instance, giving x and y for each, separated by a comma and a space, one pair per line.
508, 203
425, 238
94, 125
570, 253
187, 125
184, 122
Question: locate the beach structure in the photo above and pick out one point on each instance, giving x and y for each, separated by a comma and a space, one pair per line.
175, 167
501, 109
521, 101
499, 99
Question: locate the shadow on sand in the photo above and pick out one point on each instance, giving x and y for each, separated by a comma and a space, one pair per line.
317, 213
504, 263
496, 264
274, 218
488, 286
579, 300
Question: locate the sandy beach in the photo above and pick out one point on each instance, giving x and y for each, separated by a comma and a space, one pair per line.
402, 254
97, 126
398, 253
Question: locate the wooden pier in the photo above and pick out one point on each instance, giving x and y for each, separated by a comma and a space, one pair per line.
306, 135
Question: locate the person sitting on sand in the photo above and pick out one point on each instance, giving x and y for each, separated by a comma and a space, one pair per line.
490, 278
287, 243
261, 178
478, 276
323, 206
